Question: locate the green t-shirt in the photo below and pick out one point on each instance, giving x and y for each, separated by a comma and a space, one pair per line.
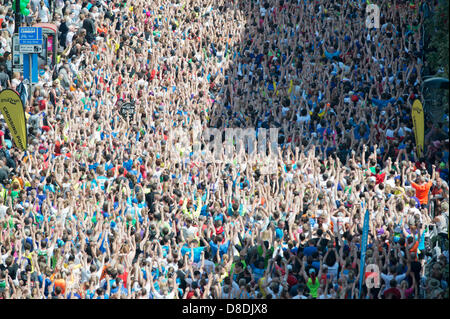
233, 265
269, 254
14, 194
313, 287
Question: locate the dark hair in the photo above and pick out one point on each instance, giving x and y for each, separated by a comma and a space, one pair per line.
331, 259
27, 246
58, 290
393, 283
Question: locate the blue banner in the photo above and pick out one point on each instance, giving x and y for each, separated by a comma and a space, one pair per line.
34, 68
22, 90
365, 236
26, 67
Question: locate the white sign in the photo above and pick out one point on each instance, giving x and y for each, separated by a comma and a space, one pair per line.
30, 48
17, 56
373, 19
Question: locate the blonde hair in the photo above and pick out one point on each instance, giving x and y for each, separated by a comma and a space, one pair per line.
265, 235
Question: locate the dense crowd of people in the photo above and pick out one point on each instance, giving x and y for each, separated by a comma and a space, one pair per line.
107, 206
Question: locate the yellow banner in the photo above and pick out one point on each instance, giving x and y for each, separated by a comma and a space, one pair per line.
12, 109
419, 126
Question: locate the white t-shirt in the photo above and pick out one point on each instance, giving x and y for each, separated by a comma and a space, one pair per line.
69, 38
390, 133
275, 295
333, 270
170, 295
189, 232
303, 119
3, 209
44, 14
390, 182
442, 224
262, 11
339, 223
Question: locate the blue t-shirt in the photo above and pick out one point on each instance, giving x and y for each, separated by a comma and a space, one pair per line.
222, 249
308, 251
330, 56
197, 252
128, 165
382, 103
316, 265
279, 233
258, 273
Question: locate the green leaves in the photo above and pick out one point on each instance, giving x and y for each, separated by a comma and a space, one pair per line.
437, 29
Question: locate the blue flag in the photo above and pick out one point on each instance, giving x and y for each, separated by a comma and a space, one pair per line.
365, 235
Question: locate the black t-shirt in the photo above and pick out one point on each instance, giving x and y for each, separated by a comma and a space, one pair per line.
4, 78
322, 245
89, 25
12, 270
3, 175
416, 267
181, 275
109, 15
150, 199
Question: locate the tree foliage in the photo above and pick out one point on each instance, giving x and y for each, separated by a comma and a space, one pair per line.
436, 34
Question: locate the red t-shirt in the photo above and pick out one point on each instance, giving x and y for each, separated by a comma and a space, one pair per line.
125, 172
58, 146
380, 178
436, 191
190, 295
394, 292
124, 278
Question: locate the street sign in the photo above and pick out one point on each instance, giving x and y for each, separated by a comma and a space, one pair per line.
30, 35
30, 48
17, 56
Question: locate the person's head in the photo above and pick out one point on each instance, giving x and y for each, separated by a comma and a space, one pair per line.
393, 283
58, 290
193, 243
9, 260
275, 287
312, 274
99, 291
420, 180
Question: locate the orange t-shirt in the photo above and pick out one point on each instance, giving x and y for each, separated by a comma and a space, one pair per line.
62, 284
414, 248
422, 191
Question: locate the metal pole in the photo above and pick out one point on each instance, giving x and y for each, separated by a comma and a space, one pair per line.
17, 17
51, 7
31, 84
